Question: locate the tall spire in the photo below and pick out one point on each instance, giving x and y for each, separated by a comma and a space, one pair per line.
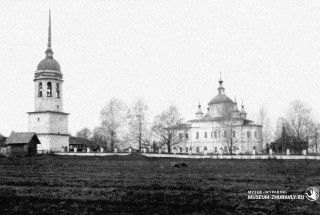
49, 30
49, 52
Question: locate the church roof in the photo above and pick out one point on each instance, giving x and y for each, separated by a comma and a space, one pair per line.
180, 126
221, 98
208, 118
49, 64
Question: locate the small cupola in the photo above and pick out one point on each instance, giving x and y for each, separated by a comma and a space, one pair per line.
199, 113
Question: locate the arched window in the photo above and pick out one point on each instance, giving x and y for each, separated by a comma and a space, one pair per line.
49, 89
40, 90
58, 90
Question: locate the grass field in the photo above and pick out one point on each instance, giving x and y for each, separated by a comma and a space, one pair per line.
132, 184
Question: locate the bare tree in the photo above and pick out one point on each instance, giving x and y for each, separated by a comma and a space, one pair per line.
138, 130
227, 128
99, 137
299, 117
165, 127
84, 133
113, 121
264, 120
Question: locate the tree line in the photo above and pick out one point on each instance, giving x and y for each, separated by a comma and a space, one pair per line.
124, 126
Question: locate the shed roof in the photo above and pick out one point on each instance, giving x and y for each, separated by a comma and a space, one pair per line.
79, 141
21, 138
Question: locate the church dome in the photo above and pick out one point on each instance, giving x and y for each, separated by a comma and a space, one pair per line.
49, 64
221, 98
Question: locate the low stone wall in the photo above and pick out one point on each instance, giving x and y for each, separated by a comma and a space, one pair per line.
194, 156
89, 153
289, 157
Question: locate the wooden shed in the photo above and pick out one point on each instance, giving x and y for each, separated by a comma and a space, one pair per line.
22, 144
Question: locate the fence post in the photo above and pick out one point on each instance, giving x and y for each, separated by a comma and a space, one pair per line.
288, 151
304, 152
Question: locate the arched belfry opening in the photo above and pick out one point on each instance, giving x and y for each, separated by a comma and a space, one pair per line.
40, 89
49, 89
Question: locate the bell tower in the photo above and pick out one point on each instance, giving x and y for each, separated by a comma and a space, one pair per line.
48, 120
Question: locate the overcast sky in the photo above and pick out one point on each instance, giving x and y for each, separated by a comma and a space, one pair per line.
165, 51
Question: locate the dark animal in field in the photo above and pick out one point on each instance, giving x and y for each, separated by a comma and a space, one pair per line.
178, 165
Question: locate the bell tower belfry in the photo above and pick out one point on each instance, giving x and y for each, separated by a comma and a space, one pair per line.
48, 120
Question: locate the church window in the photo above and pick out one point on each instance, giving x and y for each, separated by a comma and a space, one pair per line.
58, 90
57, 106
205, 148
215, 150
180, 135
254, 148
205, 135
248, 134
255, 134
186, 149
197, 135
187, 135
40, 89
234, 133
197, 149
215, 134
38, 119
180, 149
49, 89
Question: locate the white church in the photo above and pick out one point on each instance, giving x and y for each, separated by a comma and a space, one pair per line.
223, 129
48, 119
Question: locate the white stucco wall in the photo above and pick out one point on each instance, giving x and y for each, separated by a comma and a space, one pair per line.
52, 142
47, 122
